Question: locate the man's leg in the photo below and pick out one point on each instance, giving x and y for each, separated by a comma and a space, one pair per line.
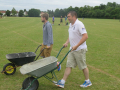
81, 62
71, 63
87, 81
86, 73
67, 73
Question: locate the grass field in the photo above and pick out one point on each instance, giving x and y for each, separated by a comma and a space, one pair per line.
103, 57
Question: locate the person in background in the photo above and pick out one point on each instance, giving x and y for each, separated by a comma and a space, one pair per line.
65, 20
61, 20
53, 20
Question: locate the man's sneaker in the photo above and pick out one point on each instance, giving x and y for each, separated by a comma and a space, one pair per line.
59, 84
86, 84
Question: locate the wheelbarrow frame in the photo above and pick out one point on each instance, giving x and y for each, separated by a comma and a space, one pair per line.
14, 65
52, 72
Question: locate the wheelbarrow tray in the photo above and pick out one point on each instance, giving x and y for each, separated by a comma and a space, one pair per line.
40, 67
20, 59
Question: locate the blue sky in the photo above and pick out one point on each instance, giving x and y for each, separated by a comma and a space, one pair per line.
44, 5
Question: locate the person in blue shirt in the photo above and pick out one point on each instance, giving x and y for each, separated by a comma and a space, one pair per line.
53, 19
47, 36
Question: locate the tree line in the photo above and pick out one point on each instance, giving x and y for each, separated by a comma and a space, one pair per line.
31, 13
110, 11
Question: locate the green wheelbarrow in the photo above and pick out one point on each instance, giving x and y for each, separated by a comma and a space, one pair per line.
38, 69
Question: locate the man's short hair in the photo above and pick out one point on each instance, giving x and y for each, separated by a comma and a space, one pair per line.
45, 15
73, 13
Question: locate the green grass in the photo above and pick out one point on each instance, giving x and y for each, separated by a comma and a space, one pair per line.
25, 34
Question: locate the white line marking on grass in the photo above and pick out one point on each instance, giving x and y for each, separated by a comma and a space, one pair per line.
27, 37
31, 40
104, 72
63, 54
104, 36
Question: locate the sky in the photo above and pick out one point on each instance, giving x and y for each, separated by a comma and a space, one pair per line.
45, 5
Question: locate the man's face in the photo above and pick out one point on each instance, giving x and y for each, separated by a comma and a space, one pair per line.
42, 19
70, 18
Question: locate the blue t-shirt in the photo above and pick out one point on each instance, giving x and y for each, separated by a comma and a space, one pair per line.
65, 18
53, 18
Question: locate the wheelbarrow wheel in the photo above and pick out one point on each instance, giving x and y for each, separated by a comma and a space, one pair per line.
9, 69
28, 81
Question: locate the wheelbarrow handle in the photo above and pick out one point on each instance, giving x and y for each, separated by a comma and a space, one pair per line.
39, 54
59, 51
64, 57
37, 48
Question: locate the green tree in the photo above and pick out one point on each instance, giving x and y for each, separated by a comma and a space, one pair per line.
99, 13
34, 13
96, 7
21, 13
70, 9
77, 10
62, 13
1, 14
110, 10
8, 13
51, 13
80, 12
107, 15
14, 12
86, 10
102, 7
57, 13
24, 10
109, 4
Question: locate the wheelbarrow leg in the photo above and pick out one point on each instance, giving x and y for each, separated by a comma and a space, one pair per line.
53, 75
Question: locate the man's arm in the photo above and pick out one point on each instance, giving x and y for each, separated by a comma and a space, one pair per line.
84, 38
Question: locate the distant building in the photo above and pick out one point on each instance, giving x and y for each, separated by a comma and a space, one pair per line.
17, 13
3, 12
25, 13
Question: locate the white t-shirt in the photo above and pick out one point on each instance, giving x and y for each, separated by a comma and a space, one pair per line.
75, 34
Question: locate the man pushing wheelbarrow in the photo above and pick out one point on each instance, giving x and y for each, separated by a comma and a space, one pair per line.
47, 36
77, 57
